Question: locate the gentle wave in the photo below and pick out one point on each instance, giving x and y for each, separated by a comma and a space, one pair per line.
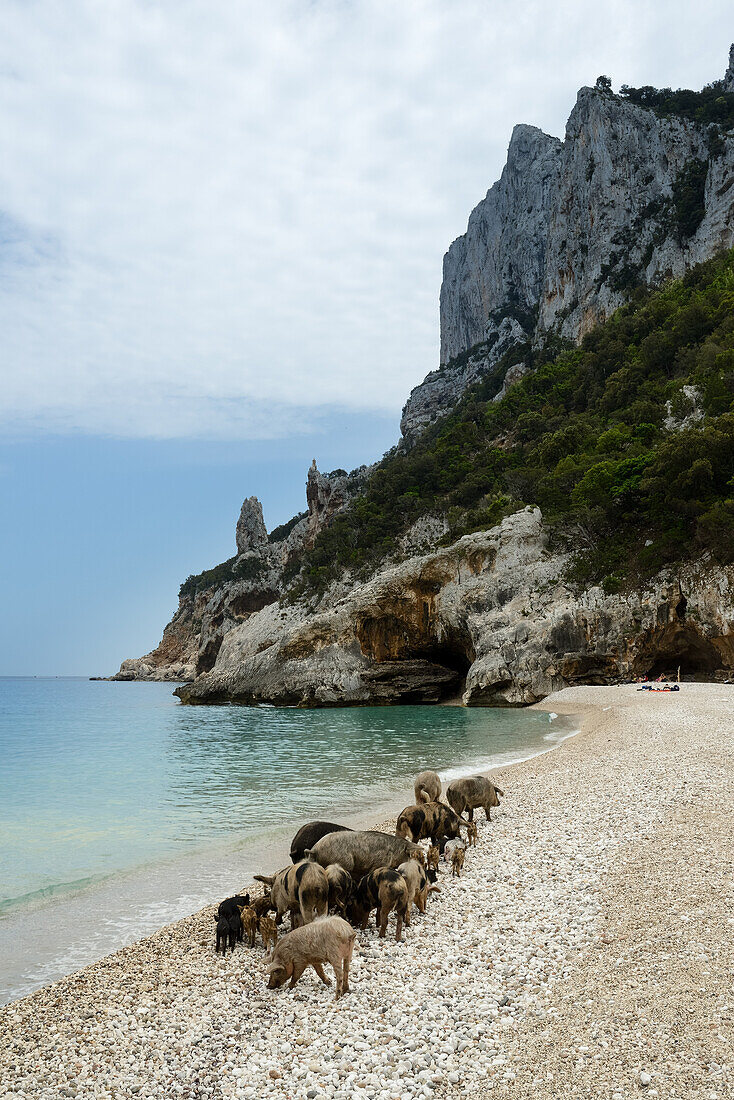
48, 893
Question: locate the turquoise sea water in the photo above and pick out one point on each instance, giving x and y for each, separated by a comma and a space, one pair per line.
118, 801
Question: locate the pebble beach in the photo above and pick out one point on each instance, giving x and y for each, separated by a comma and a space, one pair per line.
587, 950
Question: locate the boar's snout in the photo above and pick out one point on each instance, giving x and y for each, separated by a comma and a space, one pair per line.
277, 976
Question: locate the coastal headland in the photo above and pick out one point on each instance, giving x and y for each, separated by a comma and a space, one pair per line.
586, 950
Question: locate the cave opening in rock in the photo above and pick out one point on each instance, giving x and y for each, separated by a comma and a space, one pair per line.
208, 656
449, 656
678, 646
452, 656
408, 633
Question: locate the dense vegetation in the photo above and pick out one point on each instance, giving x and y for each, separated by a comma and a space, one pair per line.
711, 105
248, 568
584, 438
284, 530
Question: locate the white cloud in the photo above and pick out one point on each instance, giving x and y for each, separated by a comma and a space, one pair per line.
220, 217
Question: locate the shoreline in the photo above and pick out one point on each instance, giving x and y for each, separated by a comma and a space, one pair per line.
454, 1010
129, 904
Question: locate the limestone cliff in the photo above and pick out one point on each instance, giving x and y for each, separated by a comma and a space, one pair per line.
490, 619
631, 195
219, 599
570, 227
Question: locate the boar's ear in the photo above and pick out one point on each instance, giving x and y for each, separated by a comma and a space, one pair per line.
267, 879
307, 853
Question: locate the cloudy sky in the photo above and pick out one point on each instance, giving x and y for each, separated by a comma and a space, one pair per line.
222, 225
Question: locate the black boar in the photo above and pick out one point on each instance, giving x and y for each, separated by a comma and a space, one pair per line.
432, 819
385, 890
301, 889
308, 834
231, 906
472, 793
328, 939
362, 852
340, 888
427, 787
223, 935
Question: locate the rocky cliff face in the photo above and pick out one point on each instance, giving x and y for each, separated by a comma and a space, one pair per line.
490, 619
570, 226
251, 535
259, 574
496, 270
729, 76
612, 218
627, 196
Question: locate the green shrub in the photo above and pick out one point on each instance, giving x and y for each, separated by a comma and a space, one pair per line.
712, 105
689, 188
284, 530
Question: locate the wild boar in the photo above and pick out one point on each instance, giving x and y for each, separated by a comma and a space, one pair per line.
308, 834
328, 939
226, 936
249, 921
385, 890
431, 819
432, 858
416, 879
268, 932
362, 852
235, 929
427, 787
451, 845
231, 906
472, 833
471, 793
301, 889
457, 860
340, 888
262, 905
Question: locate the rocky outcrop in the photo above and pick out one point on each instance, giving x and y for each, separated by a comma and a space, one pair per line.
490, 618
570, 227
496, 269
259, 574
442, 389
329, 494
176, 658
729, 76
251, 534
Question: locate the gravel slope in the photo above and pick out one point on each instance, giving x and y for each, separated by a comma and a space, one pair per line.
589, 942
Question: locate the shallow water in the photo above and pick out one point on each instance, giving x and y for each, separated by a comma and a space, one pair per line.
118, 802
